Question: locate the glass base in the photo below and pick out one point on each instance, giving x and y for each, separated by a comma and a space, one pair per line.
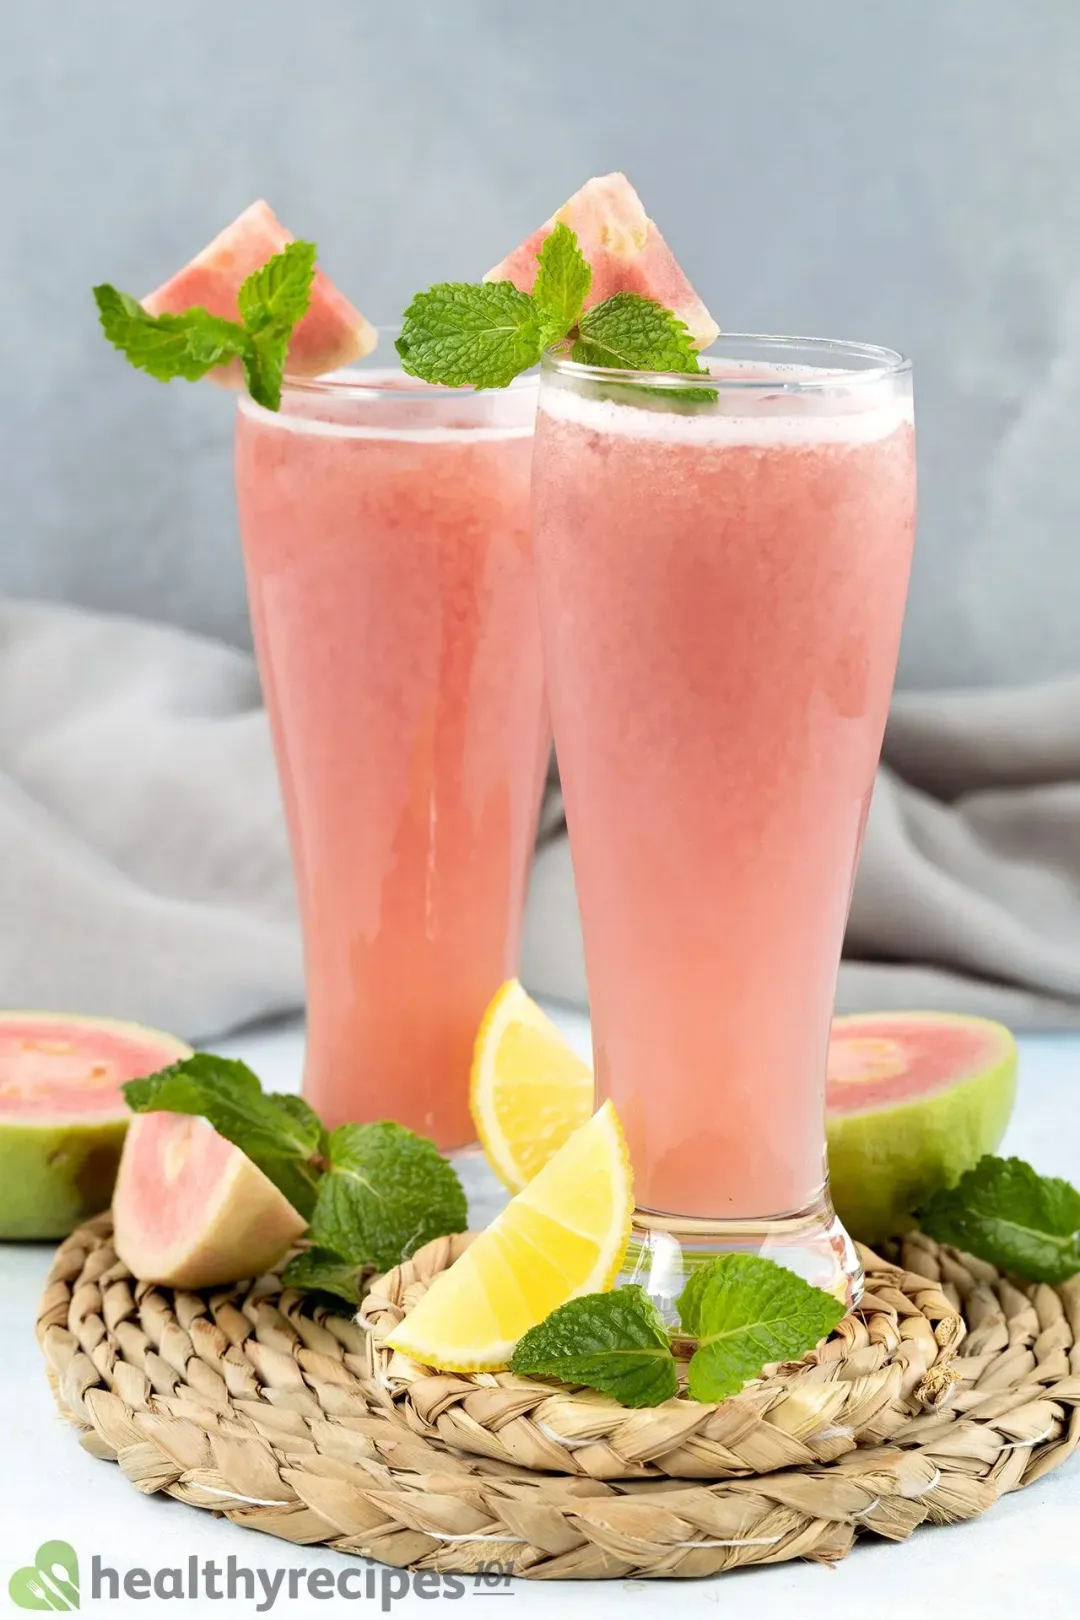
665, 1250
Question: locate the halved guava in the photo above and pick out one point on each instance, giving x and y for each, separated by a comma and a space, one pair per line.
331, 334
914, 1100
192, 1210
63, 1116
625, 249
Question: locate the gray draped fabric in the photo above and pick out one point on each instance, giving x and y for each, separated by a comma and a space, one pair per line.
144, 870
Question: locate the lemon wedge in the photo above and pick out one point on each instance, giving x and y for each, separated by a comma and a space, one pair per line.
529, 1090
564, 1235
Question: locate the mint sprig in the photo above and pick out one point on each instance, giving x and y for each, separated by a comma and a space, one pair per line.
386, 1192
1004, 1212
484, 335
270, 302
615, 1342
278, 1133
746, 1312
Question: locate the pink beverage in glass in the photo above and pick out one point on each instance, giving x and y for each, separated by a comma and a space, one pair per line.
721, 590
386, 540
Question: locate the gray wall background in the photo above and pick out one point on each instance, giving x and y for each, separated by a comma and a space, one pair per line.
906, 174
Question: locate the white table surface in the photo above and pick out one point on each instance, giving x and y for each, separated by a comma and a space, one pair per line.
1023, 1557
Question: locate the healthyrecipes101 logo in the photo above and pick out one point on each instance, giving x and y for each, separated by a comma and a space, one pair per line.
51, 1582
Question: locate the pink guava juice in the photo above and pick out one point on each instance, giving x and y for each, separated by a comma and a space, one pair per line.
387, 547
721, 593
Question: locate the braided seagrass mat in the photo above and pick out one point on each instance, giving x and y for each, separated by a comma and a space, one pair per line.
950, 1386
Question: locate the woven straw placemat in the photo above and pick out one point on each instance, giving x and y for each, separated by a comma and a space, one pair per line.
948, 1387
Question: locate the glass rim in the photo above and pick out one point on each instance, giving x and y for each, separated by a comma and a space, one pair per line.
382, 400
351, 381
879, 365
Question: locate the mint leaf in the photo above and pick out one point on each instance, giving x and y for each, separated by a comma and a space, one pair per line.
277, 295
271, 301
279, 1134
386, 1193
562, 283
457, 333
1006, 1213
633, 333
616, 1343
323, 1271
168, 346
264, 368
746, 1312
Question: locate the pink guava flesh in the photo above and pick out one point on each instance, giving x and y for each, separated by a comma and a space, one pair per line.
192, 1210
625, 249
333, 332
914, 1099
63, 1115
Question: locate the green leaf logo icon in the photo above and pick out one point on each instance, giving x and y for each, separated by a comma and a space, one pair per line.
51, 1582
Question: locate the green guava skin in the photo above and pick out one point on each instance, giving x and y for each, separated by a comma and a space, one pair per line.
885, 1162
60, 1148
54, 1176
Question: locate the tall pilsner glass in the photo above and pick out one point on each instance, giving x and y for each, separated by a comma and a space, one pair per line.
721, 588
385, 528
